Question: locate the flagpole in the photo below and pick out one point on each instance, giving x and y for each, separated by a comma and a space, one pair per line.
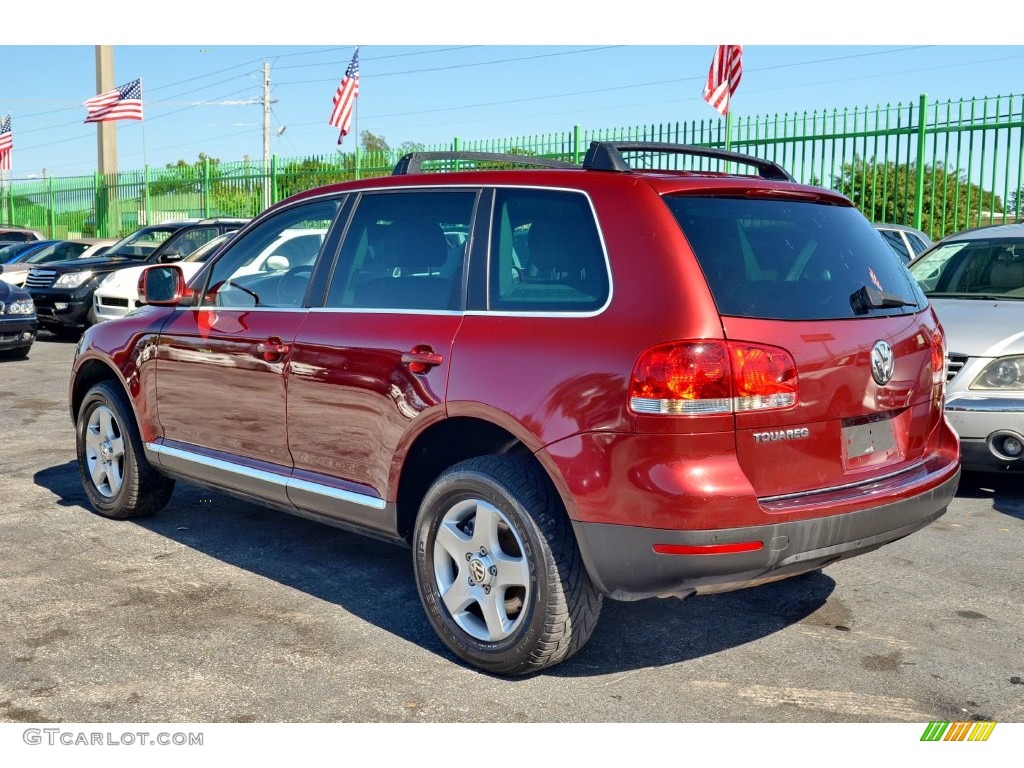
355, 125
145, 166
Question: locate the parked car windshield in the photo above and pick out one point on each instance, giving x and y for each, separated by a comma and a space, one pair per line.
57, 252
973, 269
793, 260
10, 252
140, 244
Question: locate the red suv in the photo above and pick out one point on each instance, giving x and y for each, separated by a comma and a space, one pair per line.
556, 384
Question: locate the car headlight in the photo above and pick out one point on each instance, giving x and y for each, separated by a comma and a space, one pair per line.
21, 307
72, 279
1001, 373
109, 279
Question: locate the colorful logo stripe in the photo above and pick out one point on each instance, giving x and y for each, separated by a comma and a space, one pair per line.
946, 731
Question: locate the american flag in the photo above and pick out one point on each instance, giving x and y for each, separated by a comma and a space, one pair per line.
6, 144
724, 76
121, 103
345, 98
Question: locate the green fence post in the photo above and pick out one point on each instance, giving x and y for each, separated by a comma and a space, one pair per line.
147, 203
577, 139
919, 180
273, 179
357, 162
50, 222
102, 206
206, 187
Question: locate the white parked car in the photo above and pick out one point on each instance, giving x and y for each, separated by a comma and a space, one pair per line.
118, 294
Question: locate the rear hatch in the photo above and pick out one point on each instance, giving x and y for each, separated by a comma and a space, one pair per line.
851, 344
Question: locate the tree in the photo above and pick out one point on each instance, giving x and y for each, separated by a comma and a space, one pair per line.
183, 176
299, 176
884, 192
1013, 205
371, 142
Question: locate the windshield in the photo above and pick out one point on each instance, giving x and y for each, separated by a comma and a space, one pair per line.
140, 244
793, 260
57, 252
973, 269
10, 252
205, 251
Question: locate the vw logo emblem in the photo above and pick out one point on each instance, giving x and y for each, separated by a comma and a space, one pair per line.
882, 362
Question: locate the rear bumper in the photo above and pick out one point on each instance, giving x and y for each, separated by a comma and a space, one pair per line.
623, 564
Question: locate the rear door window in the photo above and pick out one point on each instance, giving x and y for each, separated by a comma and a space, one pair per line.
793, 260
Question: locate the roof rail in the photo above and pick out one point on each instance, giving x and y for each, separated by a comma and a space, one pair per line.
607, 156
413, 162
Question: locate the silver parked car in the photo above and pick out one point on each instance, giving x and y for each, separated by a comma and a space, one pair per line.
907, 242
975, 282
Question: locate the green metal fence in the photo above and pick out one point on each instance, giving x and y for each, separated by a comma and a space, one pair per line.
939, 166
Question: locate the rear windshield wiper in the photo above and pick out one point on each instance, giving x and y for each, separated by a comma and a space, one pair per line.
866, 298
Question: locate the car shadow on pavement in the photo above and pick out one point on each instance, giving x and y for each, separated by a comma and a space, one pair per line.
1005, 490
374, 581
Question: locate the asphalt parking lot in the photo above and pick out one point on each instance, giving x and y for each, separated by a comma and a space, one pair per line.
218, 610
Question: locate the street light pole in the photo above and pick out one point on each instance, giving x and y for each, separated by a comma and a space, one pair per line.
266, 135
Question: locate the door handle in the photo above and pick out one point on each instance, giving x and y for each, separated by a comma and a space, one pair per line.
272, 349
421, 359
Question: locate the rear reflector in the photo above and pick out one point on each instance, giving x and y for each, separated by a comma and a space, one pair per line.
708, 549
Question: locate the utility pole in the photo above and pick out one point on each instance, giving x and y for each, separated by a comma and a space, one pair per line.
106, 151
266, 135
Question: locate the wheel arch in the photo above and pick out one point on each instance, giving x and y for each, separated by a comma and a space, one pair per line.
88, 374
445, 443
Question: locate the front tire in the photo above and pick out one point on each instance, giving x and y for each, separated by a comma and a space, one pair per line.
498, 570
117, 478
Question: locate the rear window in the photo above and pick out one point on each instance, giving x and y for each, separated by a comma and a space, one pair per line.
793, 260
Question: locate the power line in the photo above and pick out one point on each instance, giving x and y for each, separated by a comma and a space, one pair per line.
465, 66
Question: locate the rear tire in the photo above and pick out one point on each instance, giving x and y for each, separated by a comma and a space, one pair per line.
116, 475
498, 570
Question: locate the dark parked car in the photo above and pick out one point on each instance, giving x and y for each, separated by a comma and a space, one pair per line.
17, 321
63, 290
555, 384
975, 282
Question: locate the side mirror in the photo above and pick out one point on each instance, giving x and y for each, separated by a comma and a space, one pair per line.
171, 254
162, 286
276, 263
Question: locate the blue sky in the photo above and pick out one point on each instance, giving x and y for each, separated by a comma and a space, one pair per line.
430, 80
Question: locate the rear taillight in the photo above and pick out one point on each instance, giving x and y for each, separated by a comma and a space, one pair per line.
938, 358
690, 378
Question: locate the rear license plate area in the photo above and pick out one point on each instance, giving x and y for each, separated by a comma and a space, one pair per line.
869, 442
